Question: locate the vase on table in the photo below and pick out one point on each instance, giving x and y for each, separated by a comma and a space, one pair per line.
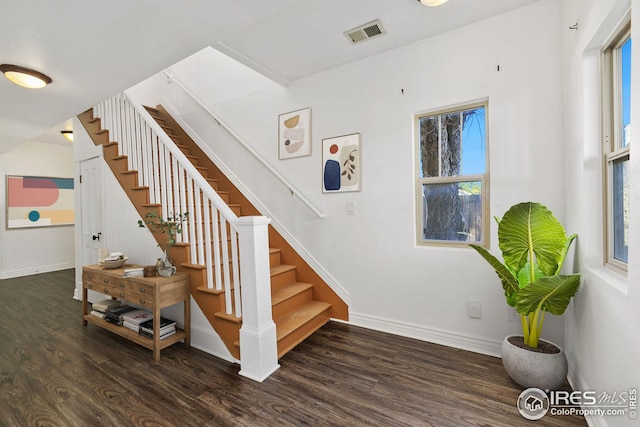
165, 266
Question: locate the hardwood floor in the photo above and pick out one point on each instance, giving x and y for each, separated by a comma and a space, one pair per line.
55, 372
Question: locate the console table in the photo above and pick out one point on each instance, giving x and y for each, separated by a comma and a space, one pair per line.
153, 293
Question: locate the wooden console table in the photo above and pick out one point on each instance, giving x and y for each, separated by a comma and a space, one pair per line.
153, 293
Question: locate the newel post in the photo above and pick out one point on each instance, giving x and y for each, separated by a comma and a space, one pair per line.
258, 342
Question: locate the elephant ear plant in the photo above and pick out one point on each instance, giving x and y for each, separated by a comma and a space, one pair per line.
534, 245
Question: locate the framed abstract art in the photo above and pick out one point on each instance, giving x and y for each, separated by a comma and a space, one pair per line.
39, 201
341, 167
294, 134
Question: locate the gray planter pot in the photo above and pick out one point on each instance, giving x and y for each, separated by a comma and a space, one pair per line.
532, 369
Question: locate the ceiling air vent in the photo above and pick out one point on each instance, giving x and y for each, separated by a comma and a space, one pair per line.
365, 32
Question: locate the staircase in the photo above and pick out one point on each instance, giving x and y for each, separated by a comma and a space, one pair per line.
301, 302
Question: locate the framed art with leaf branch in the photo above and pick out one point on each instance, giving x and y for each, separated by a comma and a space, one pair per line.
341, 166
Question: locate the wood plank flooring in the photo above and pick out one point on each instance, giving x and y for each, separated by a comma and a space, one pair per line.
55, 372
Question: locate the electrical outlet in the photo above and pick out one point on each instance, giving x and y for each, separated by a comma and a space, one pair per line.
514, 316
474, 309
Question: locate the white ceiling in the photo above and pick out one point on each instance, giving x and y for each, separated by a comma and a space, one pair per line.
94, 49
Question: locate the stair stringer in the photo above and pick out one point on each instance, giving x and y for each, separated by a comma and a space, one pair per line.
128, 180
312, 271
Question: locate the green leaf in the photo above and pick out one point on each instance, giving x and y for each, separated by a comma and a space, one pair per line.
524, 275
568, 242
551, 294
509, 282
529, 232
158, 225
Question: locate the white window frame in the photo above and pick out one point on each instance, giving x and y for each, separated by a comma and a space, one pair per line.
483, 178
613, 144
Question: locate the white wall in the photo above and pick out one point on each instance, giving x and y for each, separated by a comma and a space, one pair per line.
602, 326
35, 250
393, 284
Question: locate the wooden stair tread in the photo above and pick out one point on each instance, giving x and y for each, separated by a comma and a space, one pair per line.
194, 266
230, 317
289, 323
208, 290
282, 268
289, 291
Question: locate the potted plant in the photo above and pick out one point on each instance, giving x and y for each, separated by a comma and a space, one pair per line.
166, 231
534, 245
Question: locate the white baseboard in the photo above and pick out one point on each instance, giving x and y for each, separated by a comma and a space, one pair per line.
433, 335
77, 292
578, 383
36, 270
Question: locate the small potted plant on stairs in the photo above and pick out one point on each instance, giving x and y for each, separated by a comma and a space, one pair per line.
534, 245
166, 231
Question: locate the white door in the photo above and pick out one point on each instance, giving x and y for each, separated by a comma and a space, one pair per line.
91, 195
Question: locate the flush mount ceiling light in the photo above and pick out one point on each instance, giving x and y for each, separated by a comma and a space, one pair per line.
67, 134
432, 3
25, 77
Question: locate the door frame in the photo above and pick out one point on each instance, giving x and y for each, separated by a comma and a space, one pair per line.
91, 154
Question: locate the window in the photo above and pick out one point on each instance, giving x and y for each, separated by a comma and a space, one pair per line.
617, 128
452, 181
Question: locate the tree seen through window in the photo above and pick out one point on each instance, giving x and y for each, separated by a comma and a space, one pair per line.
452, 167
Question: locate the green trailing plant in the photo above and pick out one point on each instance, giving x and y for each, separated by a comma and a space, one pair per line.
171, 227
534, 245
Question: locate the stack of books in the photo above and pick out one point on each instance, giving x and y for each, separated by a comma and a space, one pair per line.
167, 328
134, 271
133, 319
115, 315
99, 308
